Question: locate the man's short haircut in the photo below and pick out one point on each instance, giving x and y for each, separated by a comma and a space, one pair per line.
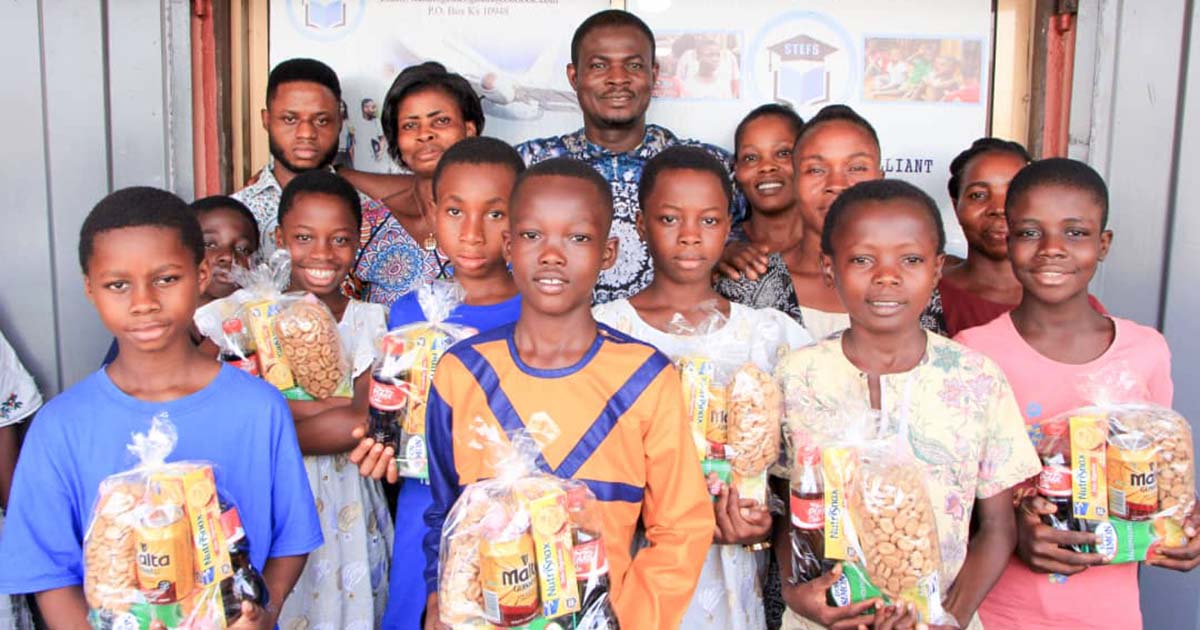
140, 206
365, 101
225, 202
478, 150
323, 182
879, 190
302, 69
979, 147
1060, 172
430, 75
568, 167
789, 115
606, 19
682, 158
831, 113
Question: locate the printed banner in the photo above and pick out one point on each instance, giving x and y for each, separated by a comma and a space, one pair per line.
917, 70
514, 53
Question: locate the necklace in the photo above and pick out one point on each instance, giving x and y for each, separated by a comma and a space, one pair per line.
429, 244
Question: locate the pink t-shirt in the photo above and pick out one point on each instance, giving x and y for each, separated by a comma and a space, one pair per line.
1101, 597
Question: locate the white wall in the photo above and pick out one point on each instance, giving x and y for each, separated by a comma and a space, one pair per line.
87, 91
1136, 118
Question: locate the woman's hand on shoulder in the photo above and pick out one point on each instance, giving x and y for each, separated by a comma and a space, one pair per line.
743, 260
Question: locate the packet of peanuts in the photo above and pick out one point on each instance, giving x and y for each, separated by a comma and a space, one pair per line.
1131, 468
523, 547
293, 337
878, 517
163, 548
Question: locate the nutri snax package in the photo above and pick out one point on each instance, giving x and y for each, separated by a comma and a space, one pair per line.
403, 373
1119, 468
164, 548
523, 547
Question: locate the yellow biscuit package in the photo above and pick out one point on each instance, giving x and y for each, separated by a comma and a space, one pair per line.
163, 548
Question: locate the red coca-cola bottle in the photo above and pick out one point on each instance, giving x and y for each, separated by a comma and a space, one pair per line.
591, 567
1054, 482
388, 394
808, 516
238, 348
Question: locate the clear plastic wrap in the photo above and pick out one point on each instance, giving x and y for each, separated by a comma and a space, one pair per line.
290, 339
523, 547
734, 407
1120, 468
403, 373
877, 517
163, 547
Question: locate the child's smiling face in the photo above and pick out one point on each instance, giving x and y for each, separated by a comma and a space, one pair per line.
145, 285
559, 242
472, 217
228, 240
830, 158
1055, 241
684, 223
764, 164
885, 264
321, 235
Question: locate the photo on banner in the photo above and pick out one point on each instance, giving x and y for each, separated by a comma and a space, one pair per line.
514, 53
919, 75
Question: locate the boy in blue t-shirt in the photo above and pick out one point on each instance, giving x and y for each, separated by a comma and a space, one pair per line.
142, 254
471, 186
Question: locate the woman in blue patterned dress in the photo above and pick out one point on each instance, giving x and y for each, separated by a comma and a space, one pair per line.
425, 112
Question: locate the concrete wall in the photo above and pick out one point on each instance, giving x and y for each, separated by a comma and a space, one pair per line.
97, 97
1136, 118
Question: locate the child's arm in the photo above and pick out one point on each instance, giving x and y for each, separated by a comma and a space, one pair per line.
64, 608
331, 429
987, 555
1040, 546
677, 514
9, 446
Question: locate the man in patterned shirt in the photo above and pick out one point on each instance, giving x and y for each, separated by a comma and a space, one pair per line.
303, 121
613, 70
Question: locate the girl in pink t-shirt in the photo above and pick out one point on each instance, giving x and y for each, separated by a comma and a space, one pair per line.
1057, 213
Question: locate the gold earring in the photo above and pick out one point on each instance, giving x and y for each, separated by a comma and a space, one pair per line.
430, 243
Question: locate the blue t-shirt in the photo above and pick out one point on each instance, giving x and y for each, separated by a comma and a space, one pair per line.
238, 423
407, 310
406, 596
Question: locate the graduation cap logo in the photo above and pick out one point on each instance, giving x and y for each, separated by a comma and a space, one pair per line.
322, 14
800, 74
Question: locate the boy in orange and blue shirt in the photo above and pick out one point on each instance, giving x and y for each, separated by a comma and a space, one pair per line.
616, 401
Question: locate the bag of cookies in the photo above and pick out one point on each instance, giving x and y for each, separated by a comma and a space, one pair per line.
1120, 468
524, 547
164, 548
403, 373
314, 351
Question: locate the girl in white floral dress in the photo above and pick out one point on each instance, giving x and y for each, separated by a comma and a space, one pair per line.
344, 584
